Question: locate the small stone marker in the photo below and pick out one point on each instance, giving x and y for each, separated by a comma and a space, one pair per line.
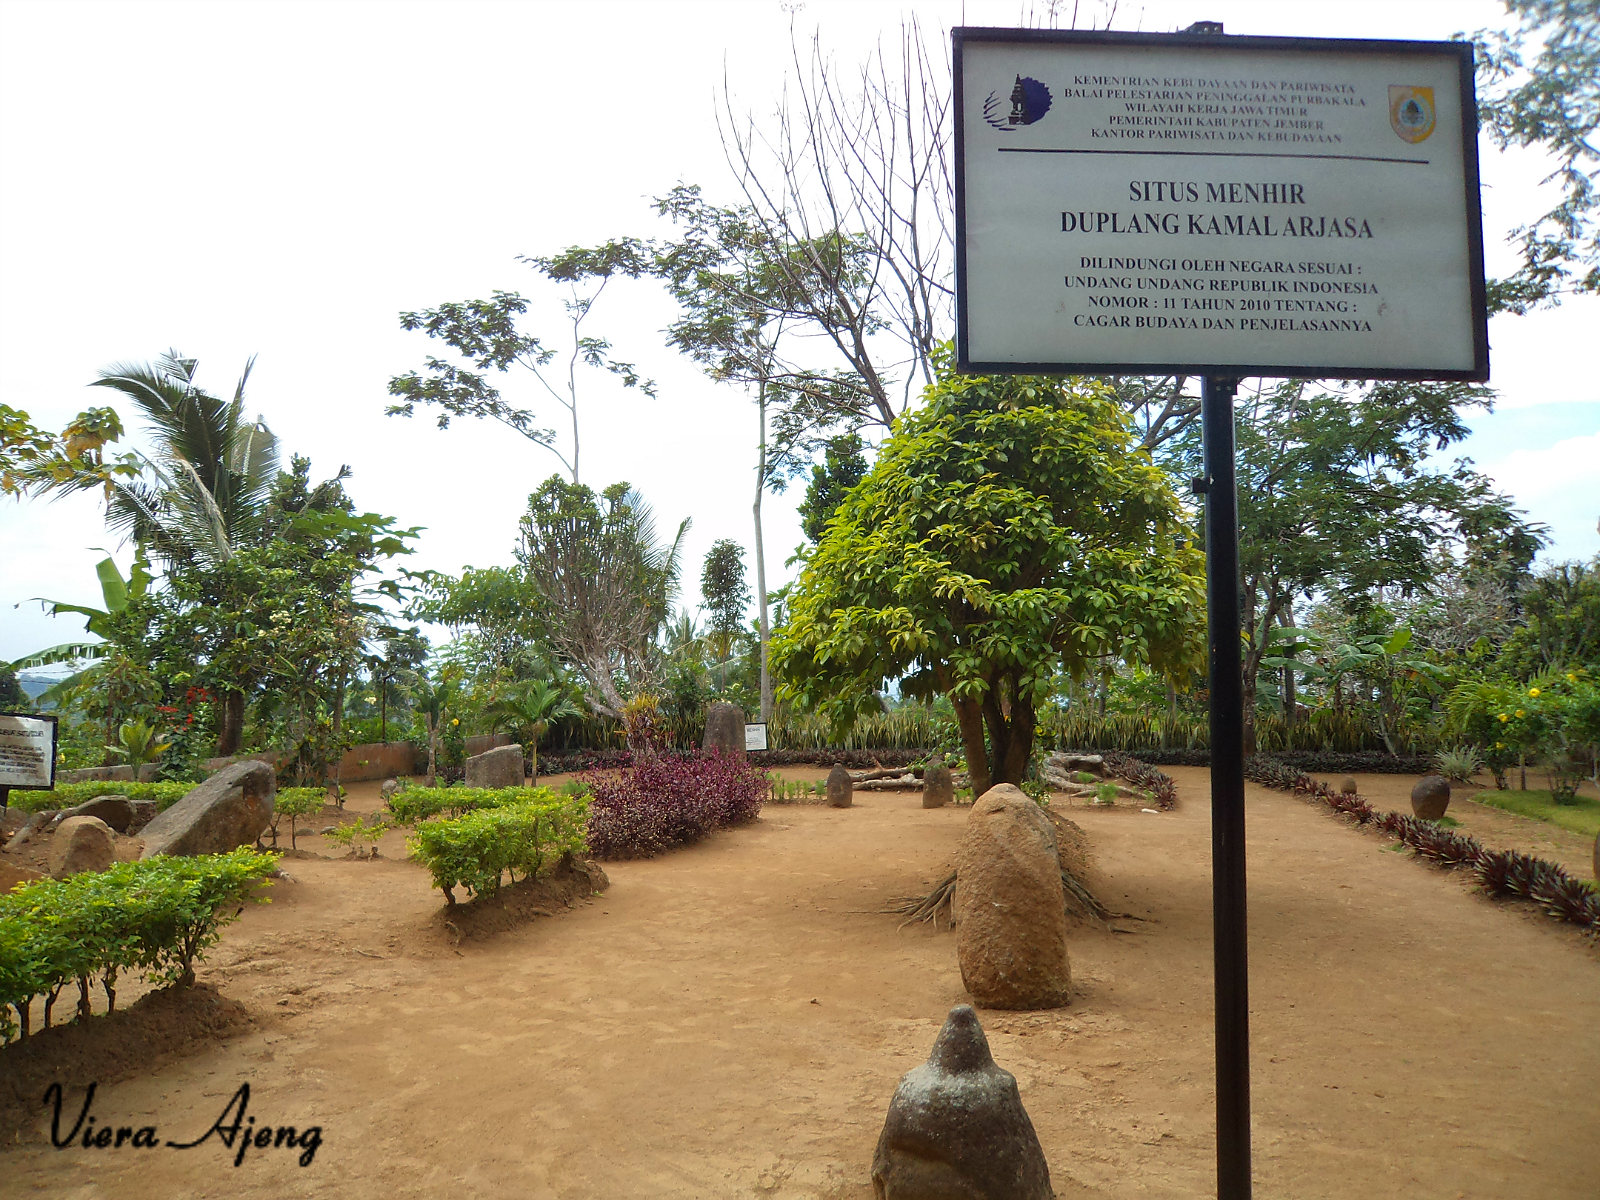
840, 790
497, 768
957, 1129
388, 788
1430, 797
1347, 785
938, 788
725, 730
81, 844
1009, 907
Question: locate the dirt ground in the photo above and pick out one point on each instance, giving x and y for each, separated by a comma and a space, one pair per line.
730, 1020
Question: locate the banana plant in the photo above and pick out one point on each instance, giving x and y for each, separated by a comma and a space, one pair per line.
139, 744
117, 593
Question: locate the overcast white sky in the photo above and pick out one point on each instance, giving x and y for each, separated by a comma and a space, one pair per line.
282, 179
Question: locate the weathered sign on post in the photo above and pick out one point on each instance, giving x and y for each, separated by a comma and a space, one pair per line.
755, 736
1218, 206
27, 753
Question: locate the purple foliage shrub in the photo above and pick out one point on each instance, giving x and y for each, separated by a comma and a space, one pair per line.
670, 800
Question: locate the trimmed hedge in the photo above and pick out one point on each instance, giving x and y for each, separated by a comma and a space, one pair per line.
476, 850
415, 804
669, 801
65, 795
158, 916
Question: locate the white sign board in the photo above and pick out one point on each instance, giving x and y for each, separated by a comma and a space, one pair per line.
755, 737
27, 751
1239, 206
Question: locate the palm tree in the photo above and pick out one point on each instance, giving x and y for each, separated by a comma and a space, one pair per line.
434, 701
201, 494
531, 708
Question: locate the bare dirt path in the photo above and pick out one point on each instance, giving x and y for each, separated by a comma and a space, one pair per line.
730, 1020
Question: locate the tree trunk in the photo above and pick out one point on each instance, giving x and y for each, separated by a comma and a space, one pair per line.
383, 710
338, 728
231, 728
1010, 738
970, 717
433, 750
761, 560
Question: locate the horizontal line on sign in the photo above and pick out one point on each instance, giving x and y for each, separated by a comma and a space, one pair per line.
1415, 162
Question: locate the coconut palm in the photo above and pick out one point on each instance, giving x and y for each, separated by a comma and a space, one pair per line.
201, 493
529, 711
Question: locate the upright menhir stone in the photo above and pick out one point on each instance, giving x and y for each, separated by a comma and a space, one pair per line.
497, 768
840, 790
956, 1128
724, 730
1009, 908
938, 788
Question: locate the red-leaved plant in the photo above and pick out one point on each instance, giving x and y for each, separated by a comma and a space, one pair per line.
669, 800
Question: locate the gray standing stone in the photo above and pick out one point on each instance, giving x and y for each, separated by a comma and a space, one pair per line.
841, 791
725, 730
1009, 908
1430, 797
81, 844
115, 811
1347, 785
938, 788
497, 768
228, 810
956, 1128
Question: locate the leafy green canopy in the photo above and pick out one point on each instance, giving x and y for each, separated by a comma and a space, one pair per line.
1007, 531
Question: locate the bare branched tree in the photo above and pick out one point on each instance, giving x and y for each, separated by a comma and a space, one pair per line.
850, 184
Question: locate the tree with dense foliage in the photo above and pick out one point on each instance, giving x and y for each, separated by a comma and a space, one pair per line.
1560, 625
1008, 531
1337, 496
726, 595
842, 467
1539, 86
35, 460
486, 334
606, 586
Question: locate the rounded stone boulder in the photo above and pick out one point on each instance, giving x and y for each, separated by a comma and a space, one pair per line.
956, 1128
938, 788
81, 844
1009, 907
1430, 797
841, 791
1347, 785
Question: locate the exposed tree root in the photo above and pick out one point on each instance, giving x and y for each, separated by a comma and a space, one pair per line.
1080, 901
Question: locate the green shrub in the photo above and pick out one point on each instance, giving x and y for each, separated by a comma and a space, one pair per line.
413, 804
65, 795
360, 835
158, 916
295, 802
476, 850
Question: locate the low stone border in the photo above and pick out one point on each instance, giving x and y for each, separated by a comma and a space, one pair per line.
1500, 873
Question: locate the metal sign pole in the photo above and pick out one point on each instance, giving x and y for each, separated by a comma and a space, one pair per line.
1227, 791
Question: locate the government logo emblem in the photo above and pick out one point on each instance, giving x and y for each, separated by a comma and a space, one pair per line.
1030, 100
1411, 112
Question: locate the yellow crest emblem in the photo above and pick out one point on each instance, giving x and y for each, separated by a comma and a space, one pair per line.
1411, 111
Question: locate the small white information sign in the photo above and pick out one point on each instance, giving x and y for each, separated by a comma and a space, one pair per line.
755, 736
1227, 205
27, 751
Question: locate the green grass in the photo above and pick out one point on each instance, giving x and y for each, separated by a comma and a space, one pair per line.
1581, 816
